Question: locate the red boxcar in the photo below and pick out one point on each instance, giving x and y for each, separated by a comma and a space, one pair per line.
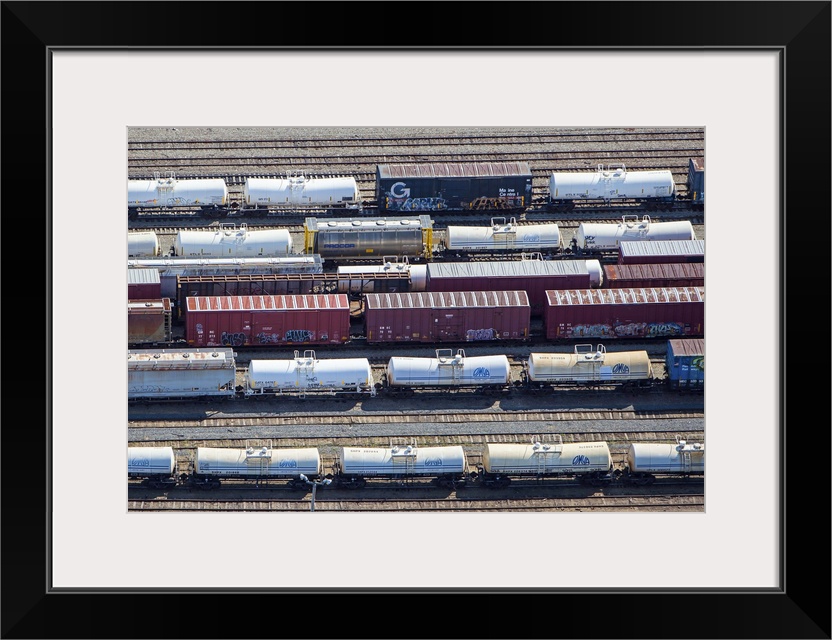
633, 276
534, 277
459, 316
235, 321
661, 251
148, 321
626, 313
144, 284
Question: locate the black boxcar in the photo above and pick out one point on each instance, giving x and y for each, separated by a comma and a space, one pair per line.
454, 186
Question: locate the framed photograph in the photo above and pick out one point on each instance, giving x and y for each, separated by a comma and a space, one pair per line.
755, 75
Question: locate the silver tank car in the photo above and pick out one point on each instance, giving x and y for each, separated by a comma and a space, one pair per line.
589, 461
298, 190
611, 183
180, 373
143, 244
369, 238
590, 365
307, 374
599, 236
256, 462
230, 242
416, 274
172, 192
150, 462
504, 236
646, 460
448, 370
446, 464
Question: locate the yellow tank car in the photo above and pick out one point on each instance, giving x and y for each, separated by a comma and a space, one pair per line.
588, 366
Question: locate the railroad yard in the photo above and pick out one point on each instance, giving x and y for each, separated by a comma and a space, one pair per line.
376, 416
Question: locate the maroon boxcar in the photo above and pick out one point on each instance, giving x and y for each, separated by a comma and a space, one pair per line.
534, 277
236, 321
633, 276
149, 321
626, 313
458, 316
144, 284
661, 251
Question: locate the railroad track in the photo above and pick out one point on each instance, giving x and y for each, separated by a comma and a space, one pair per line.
458, 501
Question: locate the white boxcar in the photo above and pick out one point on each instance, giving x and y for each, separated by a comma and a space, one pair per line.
448, 370
588, 364
142, 243
230, 242
301, 191
504, 236
541, 459
180, 373
171, 192
401, 461
415, 273
600, 236
611, 183
260, 462
656, 458
308, 374
149, 462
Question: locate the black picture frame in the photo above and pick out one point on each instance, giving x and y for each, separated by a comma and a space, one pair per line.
800, 31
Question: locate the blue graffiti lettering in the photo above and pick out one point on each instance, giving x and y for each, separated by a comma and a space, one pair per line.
233, 339
480, 334
298, 335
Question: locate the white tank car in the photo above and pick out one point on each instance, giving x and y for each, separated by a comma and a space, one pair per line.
308, 374
679, 458
599, 236
180, 373
143, 244
303, 191
612, 183
504, 236
448, 370
230, 242
416, 274
402, 461
171, 192
147, 462
257, 462
537, 459
588, 364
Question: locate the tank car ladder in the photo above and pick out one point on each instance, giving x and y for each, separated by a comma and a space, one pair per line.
504, 232
446, 358
258, 460
302, 368
404, 459
544, 452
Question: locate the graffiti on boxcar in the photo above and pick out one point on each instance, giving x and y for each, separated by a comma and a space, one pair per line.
479, 334
299, 335
233, 339
267, 338
664, 329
